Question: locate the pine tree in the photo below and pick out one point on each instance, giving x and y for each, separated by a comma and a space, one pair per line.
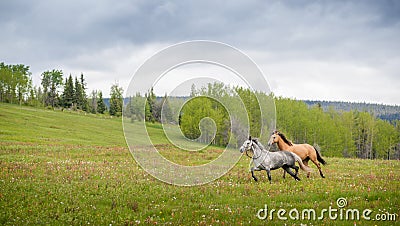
147, 112
155, 109
101, 106
151, 107
69, 93
85, 104
78, 94
116, 100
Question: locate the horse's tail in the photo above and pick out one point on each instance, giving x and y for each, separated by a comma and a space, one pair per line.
302, 166
319, 157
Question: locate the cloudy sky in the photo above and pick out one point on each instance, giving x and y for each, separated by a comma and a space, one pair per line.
318, 50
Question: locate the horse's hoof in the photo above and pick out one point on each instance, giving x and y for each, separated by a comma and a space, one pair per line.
322, 176
297, 179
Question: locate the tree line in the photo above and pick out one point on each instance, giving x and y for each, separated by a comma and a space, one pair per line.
339, 133
55, 91
351, 133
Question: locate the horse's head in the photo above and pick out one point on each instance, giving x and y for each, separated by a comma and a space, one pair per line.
276, 135
274, 138
246, 145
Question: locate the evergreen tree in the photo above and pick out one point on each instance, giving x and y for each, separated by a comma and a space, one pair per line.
69, 92
151, 107
85, 104
148, 111
101, 106
78, 100
116, 100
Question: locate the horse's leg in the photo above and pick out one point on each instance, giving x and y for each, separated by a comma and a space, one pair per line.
269, 175
284, 174
305, 162
252, 174
314, 160
296, 168
287, 169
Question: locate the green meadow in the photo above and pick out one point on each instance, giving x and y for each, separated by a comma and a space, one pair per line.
70, 168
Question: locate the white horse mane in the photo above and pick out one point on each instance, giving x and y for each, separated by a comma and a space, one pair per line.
259, 144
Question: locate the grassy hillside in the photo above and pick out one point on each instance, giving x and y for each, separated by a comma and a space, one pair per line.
69, 168
26, 124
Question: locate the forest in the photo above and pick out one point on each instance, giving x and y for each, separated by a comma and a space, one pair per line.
353, 132
337, 133
55, 91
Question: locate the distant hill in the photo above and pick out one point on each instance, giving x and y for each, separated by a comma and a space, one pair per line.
382, 111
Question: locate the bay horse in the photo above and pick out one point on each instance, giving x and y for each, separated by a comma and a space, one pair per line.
266, 160
305, 151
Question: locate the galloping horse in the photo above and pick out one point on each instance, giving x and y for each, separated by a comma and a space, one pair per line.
265, 160
305, 151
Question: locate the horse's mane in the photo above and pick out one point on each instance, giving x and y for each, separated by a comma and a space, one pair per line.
284, 138
258, 143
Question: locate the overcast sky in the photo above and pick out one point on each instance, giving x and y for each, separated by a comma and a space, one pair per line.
318, 50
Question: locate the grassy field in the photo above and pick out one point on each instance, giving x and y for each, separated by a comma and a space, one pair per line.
70, 168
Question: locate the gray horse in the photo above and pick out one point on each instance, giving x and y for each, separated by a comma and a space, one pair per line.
266, 160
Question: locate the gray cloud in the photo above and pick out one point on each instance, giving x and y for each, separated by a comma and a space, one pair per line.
100, 37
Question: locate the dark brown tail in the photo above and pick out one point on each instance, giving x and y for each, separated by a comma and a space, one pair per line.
319, 157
